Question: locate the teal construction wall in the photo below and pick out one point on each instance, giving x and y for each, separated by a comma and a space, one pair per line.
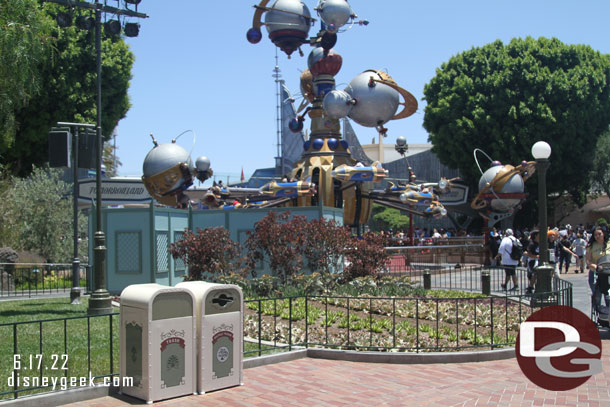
138, 239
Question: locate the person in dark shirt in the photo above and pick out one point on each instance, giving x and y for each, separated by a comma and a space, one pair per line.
565, 254
533, 252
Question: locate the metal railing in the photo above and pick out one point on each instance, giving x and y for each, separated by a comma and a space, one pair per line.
414, 324
396, 324
411, 259
33, 279
57, 354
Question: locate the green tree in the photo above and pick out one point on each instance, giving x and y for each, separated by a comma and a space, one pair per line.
504, 98
390, 218
24, 49
600, 173
38, 212
69, 93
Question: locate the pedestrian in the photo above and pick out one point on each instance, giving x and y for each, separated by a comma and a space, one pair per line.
553, 237
533, 254
596, 248
579, 247
508, 263
565, 254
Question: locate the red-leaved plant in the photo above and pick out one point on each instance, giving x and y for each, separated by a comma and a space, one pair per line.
366, 256
208, 254
279, 240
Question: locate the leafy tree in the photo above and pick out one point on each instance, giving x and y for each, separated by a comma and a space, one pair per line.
24, 48
504, 98
209, 253
38, 212
390, 218
600, 173
108, 159
69, 92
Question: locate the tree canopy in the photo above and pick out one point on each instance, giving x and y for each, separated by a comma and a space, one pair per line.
36, 215
504, 98
600, 173
68, 92
25, 47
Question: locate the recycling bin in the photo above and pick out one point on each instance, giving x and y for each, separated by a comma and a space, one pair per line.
219, 315
157, 341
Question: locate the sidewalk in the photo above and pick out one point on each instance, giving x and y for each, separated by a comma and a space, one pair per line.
328, 383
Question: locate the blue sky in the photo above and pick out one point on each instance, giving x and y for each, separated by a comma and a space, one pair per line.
195, 70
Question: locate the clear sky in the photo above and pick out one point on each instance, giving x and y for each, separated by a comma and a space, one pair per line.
195, 70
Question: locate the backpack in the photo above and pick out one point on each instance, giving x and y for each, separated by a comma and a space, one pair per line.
517, 250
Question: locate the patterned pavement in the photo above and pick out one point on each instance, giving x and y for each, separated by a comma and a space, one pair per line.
328, 383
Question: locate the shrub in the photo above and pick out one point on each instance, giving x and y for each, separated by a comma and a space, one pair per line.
280, 241
209, 253
366, 256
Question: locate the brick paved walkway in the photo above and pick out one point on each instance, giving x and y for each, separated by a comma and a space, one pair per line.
327, 383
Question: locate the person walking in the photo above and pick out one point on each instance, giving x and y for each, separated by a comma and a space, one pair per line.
565, 254
597, 247
579, 247
508, 263
533, 254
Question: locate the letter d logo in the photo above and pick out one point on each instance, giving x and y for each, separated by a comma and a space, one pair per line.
558, 348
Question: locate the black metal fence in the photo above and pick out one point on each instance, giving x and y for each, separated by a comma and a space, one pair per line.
417, 324
64, 349
33, 279
57, 354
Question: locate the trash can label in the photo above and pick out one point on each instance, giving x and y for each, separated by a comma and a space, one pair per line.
222, 348
172, 358
133, 346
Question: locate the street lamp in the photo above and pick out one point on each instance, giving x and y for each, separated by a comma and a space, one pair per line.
541, 151
100, 301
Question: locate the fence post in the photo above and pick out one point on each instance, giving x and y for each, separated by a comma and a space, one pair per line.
485, 283
427, 280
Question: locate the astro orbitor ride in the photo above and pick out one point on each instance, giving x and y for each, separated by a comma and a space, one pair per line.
326, 174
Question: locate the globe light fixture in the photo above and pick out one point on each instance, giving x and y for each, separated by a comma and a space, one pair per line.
541, 151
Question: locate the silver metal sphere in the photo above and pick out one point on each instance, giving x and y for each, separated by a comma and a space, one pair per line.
337, 104
202, 163
513, 185
164, 157
334, 13
376, 104
315, 55
401, 141
288, 15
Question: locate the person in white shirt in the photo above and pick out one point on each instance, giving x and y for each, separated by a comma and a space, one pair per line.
509, 265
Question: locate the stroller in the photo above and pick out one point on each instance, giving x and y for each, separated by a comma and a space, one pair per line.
599, 312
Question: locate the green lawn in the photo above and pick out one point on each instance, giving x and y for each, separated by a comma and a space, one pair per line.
86, 341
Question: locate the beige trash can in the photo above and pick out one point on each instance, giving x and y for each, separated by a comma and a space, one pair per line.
219, 315
157, 341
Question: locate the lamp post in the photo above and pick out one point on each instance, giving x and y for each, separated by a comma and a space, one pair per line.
541, 151
100, 301
401, 147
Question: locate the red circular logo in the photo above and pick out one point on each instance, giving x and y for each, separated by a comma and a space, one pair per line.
558, 348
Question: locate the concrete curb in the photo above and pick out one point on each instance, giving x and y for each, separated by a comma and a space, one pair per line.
59, 398
411, 358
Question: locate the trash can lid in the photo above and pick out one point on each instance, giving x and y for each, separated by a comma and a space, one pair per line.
143, 295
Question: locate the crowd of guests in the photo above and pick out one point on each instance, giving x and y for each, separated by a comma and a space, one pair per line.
584, 245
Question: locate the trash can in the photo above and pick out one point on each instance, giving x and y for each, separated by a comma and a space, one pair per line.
157, 341
219, 314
